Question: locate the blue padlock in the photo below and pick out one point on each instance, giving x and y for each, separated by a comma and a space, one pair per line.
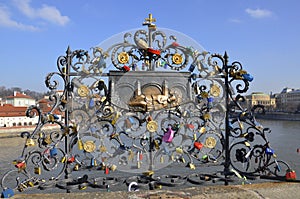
248, 77
91, 103
7, 193
192, 68
269, 151
53, 152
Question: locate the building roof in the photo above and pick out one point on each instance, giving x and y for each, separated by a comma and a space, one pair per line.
19, 95
8, 110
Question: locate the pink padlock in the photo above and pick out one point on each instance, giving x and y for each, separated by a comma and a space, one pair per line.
169, 135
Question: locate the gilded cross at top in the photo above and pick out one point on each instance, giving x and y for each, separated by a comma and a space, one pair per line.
149, 21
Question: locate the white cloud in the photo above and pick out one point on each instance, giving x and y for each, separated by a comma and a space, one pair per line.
258, 13
235, 20
7, 21
48, 13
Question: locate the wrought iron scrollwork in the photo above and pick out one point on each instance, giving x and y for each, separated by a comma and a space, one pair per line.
166, 103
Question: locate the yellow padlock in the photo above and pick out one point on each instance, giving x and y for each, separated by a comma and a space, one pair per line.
76, 167
179, 150
202, 129
30, 142
30, 184
63, 159
138, 164
113, 167
161, 159
156, 144
192, 166
117, 115
80, 144
37, 170
47, 140
195, 136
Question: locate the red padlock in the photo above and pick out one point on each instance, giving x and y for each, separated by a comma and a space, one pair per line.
198, 145
106, 170
71, 159
153, 51
21, 165
290, 175
126, 68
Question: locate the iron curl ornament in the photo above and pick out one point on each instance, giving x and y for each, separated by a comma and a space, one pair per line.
144, 103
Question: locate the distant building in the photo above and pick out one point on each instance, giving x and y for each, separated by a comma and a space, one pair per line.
288, 100
20, 100
15, 116
260, 98
13, 113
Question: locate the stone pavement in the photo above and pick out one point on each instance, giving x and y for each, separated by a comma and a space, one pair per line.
270, 190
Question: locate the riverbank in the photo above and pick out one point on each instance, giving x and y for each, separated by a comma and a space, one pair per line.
7, 132
279, 116
273, 190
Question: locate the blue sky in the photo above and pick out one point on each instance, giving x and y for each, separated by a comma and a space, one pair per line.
262, 34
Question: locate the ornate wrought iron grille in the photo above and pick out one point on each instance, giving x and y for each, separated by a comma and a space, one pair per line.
141, 104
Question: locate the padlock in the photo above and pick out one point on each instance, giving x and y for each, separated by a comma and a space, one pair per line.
190, 126
179, 150
192, 166
7, 193
195, 136
30, 142
290, 175
206, 116
198, 145
53, 152
130, 155
80, 144
248, 77
126, 68
172, 158
169, 135
161, 159
37, 170
71, 159
93, 162
113, 167
41, 134
30, 184
182, 159
247, 144
192, 68
202, 129
156, 144
205, 157
138, 164
106, 170
269, 151
21, 165
76, 167
91, 103
47, 140
117, 115
140, 156
63, 159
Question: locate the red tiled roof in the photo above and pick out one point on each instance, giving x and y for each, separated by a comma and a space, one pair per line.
8, 110
19, 95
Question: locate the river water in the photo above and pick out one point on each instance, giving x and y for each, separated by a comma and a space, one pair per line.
284, 139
